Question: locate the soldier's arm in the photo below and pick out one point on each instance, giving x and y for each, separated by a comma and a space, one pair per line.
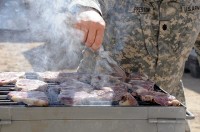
197, 48
89, 21
92, 4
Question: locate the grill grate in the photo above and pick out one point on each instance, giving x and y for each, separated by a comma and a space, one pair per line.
4, 100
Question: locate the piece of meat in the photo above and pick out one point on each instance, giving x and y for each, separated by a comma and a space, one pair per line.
138, 76
75, 84
31, 85
63, 76
99, 81
72, 97
128, 100
10, 77
160, 98
48, 76
149, 85
166, 100
119, 91
31, 98
104, 94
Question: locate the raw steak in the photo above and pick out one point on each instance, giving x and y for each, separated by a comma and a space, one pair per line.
31, 98
10, 77
31, 85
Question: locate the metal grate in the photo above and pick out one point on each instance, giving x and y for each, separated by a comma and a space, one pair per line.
4, 100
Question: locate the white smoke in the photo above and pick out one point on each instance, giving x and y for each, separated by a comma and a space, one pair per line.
47, 21
51, 21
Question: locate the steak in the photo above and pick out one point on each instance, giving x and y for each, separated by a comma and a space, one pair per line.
105, 94
72, 97
76, 85
138, 76
10, 77
63, 76
160, 98
99, 81
128, 100
142, 84
31, 98
31, 85
48, 76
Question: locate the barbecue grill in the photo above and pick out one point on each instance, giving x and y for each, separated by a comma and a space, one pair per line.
19, 117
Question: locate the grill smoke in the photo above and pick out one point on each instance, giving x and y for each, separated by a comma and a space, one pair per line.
50, 22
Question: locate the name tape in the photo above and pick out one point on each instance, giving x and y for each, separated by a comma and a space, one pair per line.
140, 10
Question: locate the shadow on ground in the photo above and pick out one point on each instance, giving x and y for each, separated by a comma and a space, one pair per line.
192, 85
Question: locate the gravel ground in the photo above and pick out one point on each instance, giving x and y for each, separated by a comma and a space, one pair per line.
13, 58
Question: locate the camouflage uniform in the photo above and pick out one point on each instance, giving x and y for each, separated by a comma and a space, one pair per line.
150, 36
197, 47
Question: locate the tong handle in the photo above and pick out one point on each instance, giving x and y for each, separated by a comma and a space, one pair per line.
189, 115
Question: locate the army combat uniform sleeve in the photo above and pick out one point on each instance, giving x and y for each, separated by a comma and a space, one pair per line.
85, 3
102, 6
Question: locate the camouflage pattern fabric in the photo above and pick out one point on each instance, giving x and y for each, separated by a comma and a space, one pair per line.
154, 37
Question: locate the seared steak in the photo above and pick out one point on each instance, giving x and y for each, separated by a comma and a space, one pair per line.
31, 85
128, 100
160, 98
63, 76
142, 84
10, 77
76, 85
31, 98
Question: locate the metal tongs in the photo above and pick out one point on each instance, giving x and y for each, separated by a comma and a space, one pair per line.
110, 64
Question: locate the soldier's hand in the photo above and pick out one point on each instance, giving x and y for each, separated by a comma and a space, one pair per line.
93, 26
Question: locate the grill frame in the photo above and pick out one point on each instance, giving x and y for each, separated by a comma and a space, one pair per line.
18, 117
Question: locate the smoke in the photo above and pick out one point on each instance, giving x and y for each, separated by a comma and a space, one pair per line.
52, 22
12, 15
49, 22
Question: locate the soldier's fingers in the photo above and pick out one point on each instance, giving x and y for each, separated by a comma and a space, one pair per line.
98, 40
91, 35
77, 26
85, 31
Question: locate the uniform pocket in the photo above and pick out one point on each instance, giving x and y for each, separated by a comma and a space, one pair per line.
178, 29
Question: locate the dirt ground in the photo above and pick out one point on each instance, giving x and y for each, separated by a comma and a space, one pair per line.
192, 93
13, 58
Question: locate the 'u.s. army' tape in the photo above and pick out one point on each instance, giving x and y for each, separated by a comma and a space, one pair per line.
192, 8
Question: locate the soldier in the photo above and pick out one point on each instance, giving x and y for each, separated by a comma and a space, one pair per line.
150, 36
